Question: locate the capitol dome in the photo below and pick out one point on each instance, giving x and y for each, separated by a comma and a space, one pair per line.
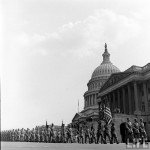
106, 68
99, 77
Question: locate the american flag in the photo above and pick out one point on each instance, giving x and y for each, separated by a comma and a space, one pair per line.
107, 115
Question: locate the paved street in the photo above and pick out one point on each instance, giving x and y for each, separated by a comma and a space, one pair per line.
52, 146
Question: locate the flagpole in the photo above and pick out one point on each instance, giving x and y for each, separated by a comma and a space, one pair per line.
78, 106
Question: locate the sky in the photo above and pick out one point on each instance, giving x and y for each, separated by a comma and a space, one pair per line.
50, 48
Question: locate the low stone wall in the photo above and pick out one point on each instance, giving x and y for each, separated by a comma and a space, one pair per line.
120, 118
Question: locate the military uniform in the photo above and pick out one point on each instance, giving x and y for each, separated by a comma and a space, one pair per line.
100, 134
68, 136
87, 135
113, 134
142, 131
93, 137
82, 136
129, 136
13, 135
106, 133
136, 131
52, 133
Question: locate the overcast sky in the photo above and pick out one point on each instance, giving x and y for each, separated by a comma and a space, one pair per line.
49, 49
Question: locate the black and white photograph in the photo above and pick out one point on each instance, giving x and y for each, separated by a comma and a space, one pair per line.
75, 74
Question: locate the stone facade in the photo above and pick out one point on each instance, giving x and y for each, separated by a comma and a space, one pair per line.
129, 92
98, 78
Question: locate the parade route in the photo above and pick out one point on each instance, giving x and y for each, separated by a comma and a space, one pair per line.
75, 75
60, 146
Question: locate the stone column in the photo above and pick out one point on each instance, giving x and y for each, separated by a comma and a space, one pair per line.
137, 111
91, 99
88, 101
129, 99
124, 104
99, 109
114, 106
118, 99
109, 100
145, 97
85, 102
118, 92
96, 97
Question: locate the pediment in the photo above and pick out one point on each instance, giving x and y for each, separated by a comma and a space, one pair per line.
115, 78
78, 116
90, 112
134, 68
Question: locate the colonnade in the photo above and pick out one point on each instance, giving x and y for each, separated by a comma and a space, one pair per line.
127, 98
90, 100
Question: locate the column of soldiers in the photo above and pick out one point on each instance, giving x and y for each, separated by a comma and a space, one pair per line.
37, 134
104, 133
135, 132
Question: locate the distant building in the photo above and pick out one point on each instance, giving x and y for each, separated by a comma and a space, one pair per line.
128, 95
90, 115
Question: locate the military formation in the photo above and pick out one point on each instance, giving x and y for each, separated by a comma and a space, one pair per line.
104, 133
135, 132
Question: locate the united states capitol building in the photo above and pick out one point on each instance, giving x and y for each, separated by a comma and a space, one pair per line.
127, 92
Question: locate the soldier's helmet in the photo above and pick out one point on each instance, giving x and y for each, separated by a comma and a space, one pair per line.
99, 123
135, 119
112, 124
141, 119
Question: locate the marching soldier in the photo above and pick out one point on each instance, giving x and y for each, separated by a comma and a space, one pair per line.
93, 137
142, 131
13, 135
82, 136
113, 134
38, 135
49, 134
129, 136
25, 136
42, 135
100, 133
106, 133
68, 136
136, 131
77, 136
57, 137
22, 135
46, 135
52, 133
71, 132
87, 135
19, 134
